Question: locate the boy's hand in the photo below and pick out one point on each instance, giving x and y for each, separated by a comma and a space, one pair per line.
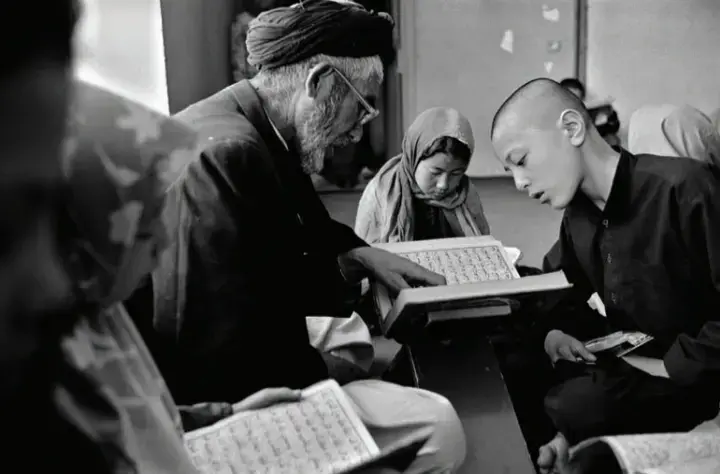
559, 345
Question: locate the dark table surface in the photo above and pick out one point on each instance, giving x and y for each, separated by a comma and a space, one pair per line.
466, 371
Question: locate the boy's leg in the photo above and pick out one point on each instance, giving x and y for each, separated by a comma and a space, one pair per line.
616, 398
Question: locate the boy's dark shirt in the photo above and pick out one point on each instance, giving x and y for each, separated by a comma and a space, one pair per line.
653, 256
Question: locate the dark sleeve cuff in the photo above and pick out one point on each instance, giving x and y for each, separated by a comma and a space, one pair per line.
203, 414
682, 369
344, 238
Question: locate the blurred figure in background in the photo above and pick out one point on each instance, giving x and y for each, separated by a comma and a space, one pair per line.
574, 86
668, 130
602, 112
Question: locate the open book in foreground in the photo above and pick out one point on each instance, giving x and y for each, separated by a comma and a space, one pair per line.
321, 434
480, 275
673, 453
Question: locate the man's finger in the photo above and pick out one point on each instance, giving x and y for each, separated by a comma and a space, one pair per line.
566, 353
416, 272
393, 281
267, 397
581, 351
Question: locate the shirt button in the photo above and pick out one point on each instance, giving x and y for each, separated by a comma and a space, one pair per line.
605, 223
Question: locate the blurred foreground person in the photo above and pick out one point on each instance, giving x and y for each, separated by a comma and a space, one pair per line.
34, 94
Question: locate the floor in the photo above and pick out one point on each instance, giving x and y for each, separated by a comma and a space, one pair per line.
515, 219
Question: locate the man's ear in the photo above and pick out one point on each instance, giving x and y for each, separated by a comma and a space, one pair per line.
320, 81
573, 125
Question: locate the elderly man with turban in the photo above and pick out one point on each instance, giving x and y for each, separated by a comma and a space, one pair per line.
253, 250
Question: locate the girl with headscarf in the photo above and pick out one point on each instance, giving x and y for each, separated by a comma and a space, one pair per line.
424, 193
120, 160
667, 130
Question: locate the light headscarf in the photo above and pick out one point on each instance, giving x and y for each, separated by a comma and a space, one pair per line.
385, 213
667, 130
119, 159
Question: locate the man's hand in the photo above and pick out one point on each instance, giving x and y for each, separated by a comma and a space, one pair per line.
649, 365
397, 273
267, 397
554, 456
559, 345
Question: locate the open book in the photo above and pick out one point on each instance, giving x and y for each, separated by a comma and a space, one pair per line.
481, 276
674, 453
321, 434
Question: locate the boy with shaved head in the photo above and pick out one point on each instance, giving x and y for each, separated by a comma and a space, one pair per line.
644, 233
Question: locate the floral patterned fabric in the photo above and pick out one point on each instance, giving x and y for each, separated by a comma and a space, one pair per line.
120, 158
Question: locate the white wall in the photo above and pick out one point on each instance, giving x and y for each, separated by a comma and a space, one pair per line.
654, 51
119, 45
471, 54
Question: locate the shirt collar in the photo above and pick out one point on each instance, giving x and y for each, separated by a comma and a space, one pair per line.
618, 201
250, 105
275, 129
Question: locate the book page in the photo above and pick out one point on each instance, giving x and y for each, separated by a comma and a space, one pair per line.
459, 260
320, 434
438, 244
642, 453
466, 265
699, 466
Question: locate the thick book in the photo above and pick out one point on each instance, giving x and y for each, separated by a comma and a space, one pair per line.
670, 453
481, 282
320, 434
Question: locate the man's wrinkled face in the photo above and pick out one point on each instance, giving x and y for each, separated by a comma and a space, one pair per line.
543, 162
335, 121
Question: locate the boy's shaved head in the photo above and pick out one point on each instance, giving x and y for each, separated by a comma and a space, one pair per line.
536, 104
539, 134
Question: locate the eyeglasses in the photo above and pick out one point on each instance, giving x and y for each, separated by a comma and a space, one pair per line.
370, 112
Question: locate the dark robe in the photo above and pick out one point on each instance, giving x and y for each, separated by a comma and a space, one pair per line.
253, 253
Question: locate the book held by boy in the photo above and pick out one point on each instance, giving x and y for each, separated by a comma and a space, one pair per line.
320, 434
481, 280
618, 344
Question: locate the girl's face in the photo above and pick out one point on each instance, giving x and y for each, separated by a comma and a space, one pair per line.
439, 175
